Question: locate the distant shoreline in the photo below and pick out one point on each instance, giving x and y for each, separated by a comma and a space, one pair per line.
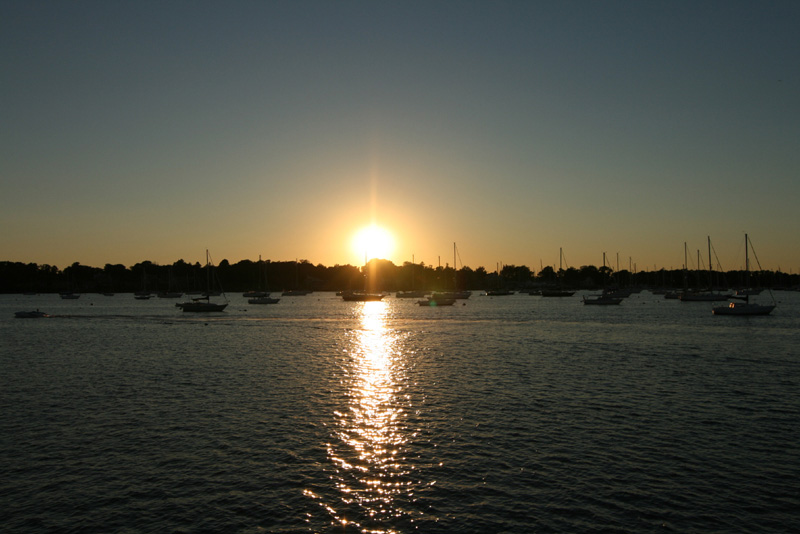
383, 275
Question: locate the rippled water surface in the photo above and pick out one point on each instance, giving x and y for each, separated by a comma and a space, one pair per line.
507, 414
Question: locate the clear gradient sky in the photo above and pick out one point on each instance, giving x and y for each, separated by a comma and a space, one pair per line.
147, 130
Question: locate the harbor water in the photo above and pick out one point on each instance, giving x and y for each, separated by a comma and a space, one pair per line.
498, 414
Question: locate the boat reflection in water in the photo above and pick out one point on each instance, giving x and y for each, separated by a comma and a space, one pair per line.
368, 453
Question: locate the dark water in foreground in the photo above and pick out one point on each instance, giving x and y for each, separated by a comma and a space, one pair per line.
508, 414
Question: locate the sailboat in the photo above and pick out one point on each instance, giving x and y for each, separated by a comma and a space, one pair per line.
266, 299
437, 299
412, 293
296, 292
676, 295
258, 292
442, 296
144, 294
746, 307
559, 291
704, 296
603, 299
498, 291
364, 295
447, 298
360, 296
204, 304
261, 297
69, 295
169, 293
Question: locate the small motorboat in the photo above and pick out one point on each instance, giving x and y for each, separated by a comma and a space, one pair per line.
30, 314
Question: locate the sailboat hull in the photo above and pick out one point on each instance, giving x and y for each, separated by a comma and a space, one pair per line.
602, 300
204, 304
746, 307
434, 302
455, 295
361, 297
263, 300
743, 308
410, 294
202, 307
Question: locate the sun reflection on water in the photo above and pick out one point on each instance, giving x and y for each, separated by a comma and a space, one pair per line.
371, 471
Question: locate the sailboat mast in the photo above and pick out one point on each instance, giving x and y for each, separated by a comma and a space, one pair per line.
455, 269
685, 267
710, 271
413, 268
604, 272
208, 273
698, 269
747, 272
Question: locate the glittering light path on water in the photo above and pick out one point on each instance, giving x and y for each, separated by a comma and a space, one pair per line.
368, 451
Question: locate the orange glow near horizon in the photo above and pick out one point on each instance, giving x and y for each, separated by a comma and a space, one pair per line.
373, 242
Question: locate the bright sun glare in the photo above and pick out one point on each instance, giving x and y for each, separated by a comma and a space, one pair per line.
373, 242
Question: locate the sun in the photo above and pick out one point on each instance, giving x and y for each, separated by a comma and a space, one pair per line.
373, 242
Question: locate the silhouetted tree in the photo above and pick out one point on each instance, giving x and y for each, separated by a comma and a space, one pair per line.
547, 274
21, 277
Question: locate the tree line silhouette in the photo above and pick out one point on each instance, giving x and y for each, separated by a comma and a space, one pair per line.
378, 275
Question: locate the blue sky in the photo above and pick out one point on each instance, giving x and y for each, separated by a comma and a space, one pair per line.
150, 130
